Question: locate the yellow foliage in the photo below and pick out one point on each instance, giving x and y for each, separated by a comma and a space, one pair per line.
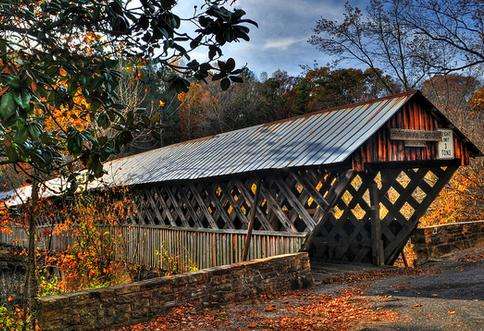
66, 116
4, 219
91, 37
194, 107
461, 200
477, 101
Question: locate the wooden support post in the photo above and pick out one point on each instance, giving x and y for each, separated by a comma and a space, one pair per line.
250, 226
376, 234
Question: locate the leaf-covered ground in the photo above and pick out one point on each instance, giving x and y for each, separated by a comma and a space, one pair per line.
443, 295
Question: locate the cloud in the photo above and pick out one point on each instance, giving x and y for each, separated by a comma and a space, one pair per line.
283, 24
282, 43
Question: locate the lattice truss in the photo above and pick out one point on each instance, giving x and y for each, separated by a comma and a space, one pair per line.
333, 207
404, 195
294, 202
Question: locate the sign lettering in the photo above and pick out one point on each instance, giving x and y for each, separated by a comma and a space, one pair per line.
415, 135
446, 146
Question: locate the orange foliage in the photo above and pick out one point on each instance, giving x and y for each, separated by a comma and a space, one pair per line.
4, 219
68, 115
477, 101
462, 99
194, 106
75, 113
461, 200
90, 260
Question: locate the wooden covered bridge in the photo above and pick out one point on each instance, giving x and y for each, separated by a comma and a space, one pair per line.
345, 184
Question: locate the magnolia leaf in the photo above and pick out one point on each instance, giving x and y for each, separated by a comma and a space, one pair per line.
225, 84
103, 120
7, 106
13, 82
23, 99
229, 65
236, 79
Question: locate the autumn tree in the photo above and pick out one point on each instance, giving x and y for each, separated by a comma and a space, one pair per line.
458, 97
206, 109
324, 87
58, 55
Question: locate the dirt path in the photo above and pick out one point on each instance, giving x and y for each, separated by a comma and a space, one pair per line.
449, 300
444, 295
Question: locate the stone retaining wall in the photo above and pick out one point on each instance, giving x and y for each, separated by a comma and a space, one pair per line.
435, 241
140, 301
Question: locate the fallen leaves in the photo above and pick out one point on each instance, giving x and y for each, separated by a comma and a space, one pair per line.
320, 311
185, 318
270, 308
471, 258
301, 310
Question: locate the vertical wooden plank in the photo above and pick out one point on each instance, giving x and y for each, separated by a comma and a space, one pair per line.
376, 234
252, 215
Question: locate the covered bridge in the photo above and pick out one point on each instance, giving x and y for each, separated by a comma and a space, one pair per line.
345, 184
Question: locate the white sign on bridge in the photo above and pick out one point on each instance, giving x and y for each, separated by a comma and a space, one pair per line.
446, 145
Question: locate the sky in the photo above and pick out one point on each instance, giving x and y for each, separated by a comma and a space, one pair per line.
280, 42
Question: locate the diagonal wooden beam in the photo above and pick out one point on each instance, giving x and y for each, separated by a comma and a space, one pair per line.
334, 194
393, 249
275, 208
251, 202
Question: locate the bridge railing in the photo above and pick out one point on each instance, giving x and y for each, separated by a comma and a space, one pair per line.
153, 246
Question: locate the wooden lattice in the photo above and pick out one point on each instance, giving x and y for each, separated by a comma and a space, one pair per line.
293, 201
334, 208
404, 195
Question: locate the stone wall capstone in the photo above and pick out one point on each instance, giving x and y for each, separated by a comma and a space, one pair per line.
140, 301
435, 241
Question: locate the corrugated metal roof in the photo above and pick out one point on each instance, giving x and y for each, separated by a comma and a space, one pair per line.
325, 137
315, 139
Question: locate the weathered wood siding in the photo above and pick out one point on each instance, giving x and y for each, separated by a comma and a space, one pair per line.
415, 115
152, 246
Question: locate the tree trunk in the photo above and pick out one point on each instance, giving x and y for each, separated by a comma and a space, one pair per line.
30, 287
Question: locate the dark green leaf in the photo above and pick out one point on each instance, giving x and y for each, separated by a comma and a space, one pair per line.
236, 79
230, 65
225, 83
103, 120
249, 21
11, 152
7, 106
195, 42
13, 82
23, 99
21, 132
